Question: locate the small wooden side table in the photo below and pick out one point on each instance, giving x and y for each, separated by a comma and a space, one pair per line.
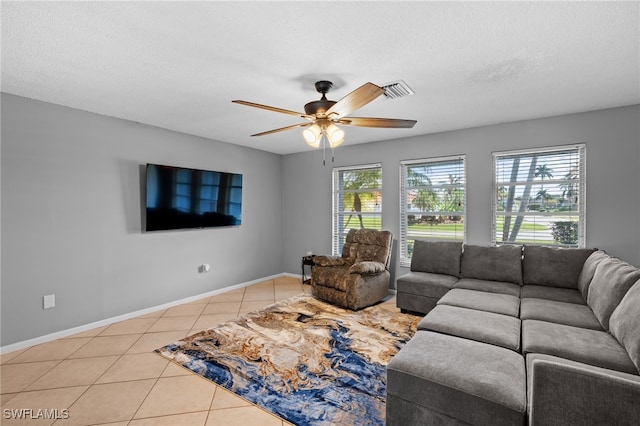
307, 261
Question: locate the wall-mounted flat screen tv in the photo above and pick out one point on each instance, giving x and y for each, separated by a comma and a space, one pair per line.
181, 198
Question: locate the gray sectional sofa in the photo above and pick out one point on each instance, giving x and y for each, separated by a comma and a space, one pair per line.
517, 335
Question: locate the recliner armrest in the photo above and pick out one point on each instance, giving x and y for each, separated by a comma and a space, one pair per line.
367, 268
329, 261
571, 393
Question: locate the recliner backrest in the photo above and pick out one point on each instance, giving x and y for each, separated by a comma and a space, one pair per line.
369, 245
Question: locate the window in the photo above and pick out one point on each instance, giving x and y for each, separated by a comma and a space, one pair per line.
357, 201
538, 196
432, 202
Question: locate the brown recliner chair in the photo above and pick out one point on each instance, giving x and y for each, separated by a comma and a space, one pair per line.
360, 277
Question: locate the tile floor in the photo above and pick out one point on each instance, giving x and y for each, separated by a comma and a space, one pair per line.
111, 376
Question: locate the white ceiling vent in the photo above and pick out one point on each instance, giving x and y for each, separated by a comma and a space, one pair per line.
397, 89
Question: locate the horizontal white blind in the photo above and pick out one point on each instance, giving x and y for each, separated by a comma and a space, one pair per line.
432, 201
357, 201
538, 196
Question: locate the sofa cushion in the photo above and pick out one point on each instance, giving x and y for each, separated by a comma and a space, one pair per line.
559, 313
591, 347
611, 281
472, 382
481, 326
425, 284
553, 266
437, 257
489, 302
488, 286
568, 295
588, 270
492, 263
367, 268
625, 323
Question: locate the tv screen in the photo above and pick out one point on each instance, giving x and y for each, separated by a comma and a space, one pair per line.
181, 198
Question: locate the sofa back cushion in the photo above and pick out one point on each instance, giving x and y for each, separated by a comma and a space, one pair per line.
611, 281
588, 270
436, 257
625, 323
492, 263
370, 245
553, 266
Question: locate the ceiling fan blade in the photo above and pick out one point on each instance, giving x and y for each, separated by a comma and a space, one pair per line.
282, 129
270, 108
355, 100
377, 122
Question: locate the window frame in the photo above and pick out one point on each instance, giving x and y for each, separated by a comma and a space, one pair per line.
405, 259
580, 148
336, 247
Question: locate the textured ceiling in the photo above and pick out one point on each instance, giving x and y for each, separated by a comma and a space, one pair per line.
178, 65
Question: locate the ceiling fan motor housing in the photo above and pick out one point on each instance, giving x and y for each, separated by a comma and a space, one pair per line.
319, 108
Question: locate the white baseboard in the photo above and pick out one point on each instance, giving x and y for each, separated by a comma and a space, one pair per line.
86, 327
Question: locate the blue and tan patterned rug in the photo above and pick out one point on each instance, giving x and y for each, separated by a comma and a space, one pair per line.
307, 361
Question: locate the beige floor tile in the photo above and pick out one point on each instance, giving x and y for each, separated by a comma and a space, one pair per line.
235, 296
247, 307
222, 308
106, 345
190, 419
6, 397
176, 395
288, 279
242, 416
183, 310
4, 358
135, 367
51, 399
265, 285
154, 314
266, 295
131, 326
226, 399
208, 321
173, 323
16, 377
149, 342
50, 351
109, 402
174, 369
282, 294
89, 333
74, 372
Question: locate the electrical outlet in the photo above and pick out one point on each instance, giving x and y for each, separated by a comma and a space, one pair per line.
49, 301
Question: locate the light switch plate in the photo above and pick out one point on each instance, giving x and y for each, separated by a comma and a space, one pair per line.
49, 301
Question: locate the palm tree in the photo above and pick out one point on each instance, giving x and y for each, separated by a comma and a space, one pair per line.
570, 190
543, 171
361, 179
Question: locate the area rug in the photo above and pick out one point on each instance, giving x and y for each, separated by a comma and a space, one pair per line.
304, 360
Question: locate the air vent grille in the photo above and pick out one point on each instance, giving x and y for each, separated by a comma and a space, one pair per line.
397, 89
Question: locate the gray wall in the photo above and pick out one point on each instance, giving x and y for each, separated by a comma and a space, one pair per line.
71, 219
612, 140
71, 206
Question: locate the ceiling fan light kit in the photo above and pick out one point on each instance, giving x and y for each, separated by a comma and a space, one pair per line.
324, 114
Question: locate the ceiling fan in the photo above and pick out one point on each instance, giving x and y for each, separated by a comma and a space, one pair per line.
324, 115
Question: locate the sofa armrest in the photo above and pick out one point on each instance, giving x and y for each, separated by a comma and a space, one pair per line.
329, 260
367, 268
571, 393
